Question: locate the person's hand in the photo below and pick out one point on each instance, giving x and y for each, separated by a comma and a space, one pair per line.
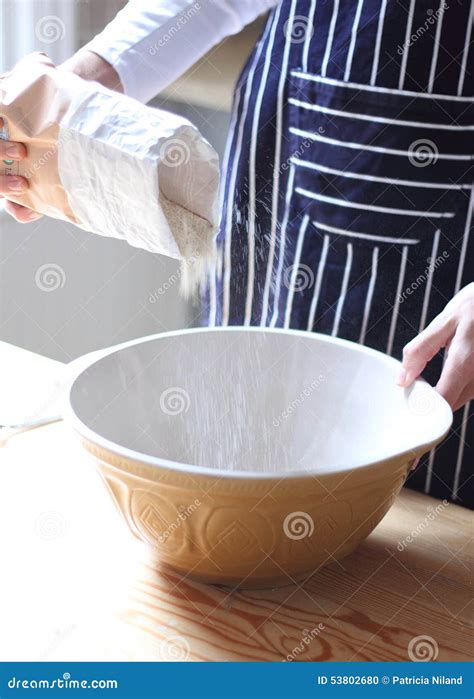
452, 329
86, 65
12, 184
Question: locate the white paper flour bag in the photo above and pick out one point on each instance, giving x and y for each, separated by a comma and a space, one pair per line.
109, 164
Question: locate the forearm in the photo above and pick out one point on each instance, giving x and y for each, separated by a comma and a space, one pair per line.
152, 42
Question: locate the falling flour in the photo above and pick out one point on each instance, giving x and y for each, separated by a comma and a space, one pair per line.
232, 403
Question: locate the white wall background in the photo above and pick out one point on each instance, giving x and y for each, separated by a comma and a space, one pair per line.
107, 290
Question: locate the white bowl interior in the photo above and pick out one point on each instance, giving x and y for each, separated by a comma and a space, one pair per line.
254, 400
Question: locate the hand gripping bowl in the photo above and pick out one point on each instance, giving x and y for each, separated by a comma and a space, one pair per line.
251, 456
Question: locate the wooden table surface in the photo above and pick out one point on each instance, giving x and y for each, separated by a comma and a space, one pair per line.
76, 585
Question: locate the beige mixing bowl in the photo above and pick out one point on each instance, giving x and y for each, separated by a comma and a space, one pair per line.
251, 456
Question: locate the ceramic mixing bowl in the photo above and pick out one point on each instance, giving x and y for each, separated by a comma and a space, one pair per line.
251, 456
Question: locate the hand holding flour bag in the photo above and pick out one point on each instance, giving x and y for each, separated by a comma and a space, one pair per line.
111, 165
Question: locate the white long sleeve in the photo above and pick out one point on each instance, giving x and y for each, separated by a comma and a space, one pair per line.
152, 42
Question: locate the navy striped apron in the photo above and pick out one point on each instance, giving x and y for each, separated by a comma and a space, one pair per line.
348, 197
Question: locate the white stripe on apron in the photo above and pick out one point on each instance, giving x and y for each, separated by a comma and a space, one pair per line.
378, 42
370, 293
467, 231
406, 46
350, 54
462, 258
330, 37
289, 193
434, 59
319, 279
372, 207
396, 306
376, 149
225, 164
367, 236
377, 88
309, 35
252, 171
231, 193
467, 42
294, 270
429, 281
378, 119
462, 441
342, 297
374, 178
429, 472
277, 164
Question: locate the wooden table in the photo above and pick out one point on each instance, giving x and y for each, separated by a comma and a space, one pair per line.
76, 585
